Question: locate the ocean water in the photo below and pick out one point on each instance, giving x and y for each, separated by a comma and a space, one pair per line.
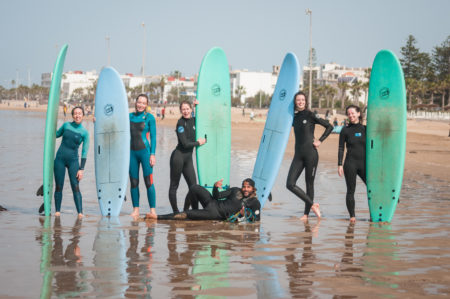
280, 257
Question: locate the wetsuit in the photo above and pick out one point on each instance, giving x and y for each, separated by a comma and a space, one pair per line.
142, 124
223, 205
306, 156
181, 159
67, 157
354, 136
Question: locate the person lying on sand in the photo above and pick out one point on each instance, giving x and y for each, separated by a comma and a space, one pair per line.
234, 204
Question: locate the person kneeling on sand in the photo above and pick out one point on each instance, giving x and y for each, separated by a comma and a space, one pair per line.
234, 204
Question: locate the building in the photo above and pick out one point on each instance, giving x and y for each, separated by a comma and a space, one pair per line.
253, 82
332, 73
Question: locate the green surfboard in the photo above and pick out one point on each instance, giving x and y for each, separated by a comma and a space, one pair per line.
385, 136
213, 120
50, 129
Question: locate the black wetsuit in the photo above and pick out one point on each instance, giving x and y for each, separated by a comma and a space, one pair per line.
181, 159
306, 156
354, 136
219, 206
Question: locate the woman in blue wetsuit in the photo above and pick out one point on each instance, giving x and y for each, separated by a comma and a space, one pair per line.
142, 151
306, 156
181, 158
73, 134
354, 137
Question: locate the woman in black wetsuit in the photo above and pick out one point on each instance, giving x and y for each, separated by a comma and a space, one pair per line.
354, 137
306, 156
181, 158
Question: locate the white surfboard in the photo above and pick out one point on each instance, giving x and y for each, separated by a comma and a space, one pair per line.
112, 141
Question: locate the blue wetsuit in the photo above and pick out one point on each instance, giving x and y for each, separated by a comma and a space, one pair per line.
142, 124
67, 157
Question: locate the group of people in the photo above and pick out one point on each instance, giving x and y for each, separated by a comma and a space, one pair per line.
234, 204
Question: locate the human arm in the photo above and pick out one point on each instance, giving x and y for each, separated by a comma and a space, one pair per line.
341, 148
152, 130
217, 194
60, 131
182, 136
324, 123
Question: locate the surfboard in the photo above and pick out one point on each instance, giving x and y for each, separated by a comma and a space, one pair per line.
385, 136
112, 141
213, 120
277, 128
50, 129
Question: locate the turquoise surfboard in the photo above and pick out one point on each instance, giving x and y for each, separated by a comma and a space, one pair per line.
385, 136
213, 120
277, 128
50, 129
112, 141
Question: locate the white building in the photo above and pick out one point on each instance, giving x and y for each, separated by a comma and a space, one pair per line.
333, 73
184, 85
253, 82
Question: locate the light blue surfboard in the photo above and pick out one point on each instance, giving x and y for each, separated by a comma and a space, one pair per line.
278, 126
112, 142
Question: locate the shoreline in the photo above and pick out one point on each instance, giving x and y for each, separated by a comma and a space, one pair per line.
427, 141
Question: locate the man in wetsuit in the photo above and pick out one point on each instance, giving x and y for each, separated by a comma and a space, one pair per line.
234, 204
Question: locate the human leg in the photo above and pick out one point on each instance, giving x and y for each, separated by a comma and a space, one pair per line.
59, 170
73, 168
294, 173
134, 182
176, 168
350, 179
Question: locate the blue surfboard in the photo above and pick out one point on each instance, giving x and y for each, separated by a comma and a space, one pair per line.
112, 141
277, 128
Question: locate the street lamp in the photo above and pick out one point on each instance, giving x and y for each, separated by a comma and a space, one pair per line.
107, 38
143, 59
309, 12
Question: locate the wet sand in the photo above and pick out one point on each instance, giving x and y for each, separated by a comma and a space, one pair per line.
280, 257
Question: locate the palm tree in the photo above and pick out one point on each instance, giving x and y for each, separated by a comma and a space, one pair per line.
162, 84
240, 91
356, 92
343, 86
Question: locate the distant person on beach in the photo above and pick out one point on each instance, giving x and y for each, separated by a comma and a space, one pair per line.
352, 136
335, 122
306, 156
252, 115
234, 205
73, 134
142, 126
163, 112
181, 158
65, 110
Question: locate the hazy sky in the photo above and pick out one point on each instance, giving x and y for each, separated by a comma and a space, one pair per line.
255, 34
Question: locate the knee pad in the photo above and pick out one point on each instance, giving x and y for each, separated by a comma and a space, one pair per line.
148, 181
134, 183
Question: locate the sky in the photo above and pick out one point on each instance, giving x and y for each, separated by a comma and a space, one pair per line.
255, 34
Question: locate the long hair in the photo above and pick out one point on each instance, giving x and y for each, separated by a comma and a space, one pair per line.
357, 110
306, 100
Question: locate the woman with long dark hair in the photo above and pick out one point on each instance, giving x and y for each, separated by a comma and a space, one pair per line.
306, 156
354, 137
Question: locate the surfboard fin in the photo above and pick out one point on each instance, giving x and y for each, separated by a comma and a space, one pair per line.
41, 208
40, 191
270, 197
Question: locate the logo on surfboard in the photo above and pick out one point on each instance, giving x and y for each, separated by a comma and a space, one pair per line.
109, 110
384, 93
215, 90
282, 94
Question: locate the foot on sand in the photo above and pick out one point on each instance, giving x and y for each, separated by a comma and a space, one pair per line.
316, 209
352, 220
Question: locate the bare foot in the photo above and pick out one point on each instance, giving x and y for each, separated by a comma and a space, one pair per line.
80, 215
151, 216
57, 214
304, 218
316, 209
153, 211
352, 220
135, 212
